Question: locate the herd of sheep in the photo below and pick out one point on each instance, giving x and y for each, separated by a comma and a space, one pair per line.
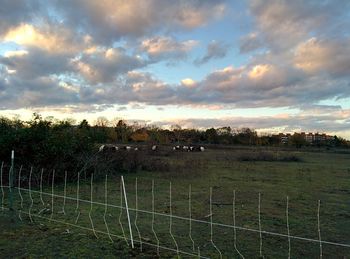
110, 147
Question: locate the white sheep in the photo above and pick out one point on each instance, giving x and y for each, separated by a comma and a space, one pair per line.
101, 148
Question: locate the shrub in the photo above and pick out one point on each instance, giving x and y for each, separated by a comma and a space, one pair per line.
267, 156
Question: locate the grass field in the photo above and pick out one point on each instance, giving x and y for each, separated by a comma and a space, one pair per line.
316, 175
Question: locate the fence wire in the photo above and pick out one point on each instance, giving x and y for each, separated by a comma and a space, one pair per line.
143, 219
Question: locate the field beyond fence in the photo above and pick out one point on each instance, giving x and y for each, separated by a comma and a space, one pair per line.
174, 220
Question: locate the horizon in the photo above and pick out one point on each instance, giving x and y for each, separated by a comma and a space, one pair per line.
145, 125
272, 66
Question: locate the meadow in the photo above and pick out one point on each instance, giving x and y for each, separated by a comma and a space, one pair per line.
306, 176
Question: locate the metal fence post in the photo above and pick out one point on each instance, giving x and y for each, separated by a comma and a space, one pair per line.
11, 180
127, 212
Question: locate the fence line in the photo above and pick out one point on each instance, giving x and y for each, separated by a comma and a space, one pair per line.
136, 214
20, 194
190, 215
153, 213
30, 195
211, 222
91, 221
121, 213
260, 235
200, 221
77, 209
318, 226
127, 211
234, 224
171, 221
106, 208
52, 192
113, 235
2, 186
64, 193
41, 185
287, 217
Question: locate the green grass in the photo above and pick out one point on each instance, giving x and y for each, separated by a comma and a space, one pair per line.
323, 176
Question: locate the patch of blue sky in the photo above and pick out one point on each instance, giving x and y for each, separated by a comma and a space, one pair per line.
174, 72
343, 102
9, 46
152, 112
266, 111
227, 30
230, 28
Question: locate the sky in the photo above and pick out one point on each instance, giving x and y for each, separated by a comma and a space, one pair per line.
273, 65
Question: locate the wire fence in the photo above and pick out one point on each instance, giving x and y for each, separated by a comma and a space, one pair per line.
118, 211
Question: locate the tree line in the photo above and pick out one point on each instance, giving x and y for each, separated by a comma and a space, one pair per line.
66, 144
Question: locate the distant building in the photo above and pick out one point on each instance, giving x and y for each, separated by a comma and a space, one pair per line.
310, 137
283, 138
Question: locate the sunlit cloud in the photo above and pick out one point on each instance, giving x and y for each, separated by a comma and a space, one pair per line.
9, 54
166, 47
57, 39
188, 82
259, 71
146, 57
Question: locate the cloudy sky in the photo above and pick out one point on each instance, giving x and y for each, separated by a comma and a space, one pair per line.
272, 65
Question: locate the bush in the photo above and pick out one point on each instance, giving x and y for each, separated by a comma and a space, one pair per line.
267, 156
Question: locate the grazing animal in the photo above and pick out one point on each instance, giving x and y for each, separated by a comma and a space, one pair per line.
154, 147
127, 148
136, 149
191, 148
185, 148
201, 149
107, 147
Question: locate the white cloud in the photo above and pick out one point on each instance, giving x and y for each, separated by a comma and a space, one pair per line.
325, 56
167, 48
109, 20
188, 82
15, 53
215, 50
249, 43
283, 24
56, 39
105, 65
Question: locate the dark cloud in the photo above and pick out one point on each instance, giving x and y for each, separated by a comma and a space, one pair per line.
166, 48
106, 65
287, 123
215, 50
73, 57
110, 20
134, 87
264, 85
38, 92
284, 23
36, 63
249, 43
13, 12
329, 56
